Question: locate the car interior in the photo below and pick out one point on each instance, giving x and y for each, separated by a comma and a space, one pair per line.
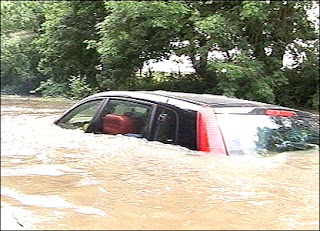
120, 124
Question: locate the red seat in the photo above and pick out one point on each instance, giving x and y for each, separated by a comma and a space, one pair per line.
119, 124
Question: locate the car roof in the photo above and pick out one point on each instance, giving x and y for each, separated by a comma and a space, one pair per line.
194, 98
211, 100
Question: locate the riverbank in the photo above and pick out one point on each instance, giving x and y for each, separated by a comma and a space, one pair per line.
55, 99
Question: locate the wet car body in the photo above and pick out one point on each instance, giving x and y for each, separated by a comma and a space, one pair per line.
210, 123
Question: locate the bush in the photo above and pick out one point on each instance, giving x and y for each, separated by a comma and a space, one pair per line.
315, 100
79, 88
75, 88
242, 78
50, 88
10, 89
169, 82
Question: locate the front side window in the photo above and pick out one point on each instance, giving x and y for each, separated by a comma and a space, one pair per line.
80, 116
125, 117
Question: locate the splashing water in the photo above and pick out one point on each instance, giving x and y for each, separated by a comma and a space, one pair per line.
54, 178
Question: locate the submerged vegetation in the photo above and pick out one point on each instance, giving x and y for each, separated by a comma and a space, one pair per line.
75, 48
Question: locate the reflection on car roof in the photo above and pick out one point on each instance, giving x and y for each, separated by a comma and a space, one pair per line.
207, 99
198, 99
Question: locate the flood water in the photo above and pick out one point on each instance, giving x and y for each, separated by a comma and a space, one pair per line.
53, 178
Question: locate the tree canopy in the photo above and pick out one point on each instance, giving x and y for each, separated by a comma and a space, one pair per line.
96, 45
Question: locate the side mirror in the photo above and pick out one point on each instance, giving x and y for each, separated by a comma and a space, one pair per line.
85, 126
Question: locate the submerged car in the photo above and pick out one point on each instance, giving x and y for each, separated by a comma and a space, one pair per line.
209, 123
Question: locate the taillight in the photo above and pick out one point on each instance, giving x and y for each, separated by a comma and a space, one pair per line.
281, 113
209, 134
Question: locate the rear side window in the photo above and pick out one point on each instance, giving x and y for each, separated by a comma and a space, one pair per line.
165, 126
267, 134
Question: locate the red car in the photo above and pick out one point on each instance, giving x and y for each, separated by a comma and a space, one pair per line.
210, 123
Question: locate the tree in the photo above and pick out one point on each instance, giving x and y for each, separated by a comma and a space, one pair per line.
104, 44
62, 44
250, 35
17, 16
20, 24
302, 86
134, 32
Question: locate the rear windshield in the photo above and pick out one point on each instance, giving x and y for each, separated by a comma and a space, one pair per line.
267, 134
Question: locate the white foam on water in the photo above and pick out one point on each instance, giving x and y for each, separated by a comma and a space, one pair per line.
44, 170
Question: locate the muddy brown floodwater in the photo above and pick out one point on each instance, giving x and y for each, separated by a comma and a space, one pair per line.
53, 178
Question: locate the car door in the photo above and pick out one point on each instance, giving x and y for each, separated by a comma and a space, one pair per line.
130, 117
126, 116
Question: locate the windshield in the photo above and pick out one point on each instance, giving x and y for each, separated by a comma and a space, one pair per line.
266, 134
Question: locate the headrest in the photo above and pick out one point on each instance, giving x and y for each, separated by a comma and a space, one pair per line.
119, 124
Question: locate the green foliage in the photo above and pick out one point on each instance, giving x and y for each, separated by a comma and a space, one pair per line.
20, 22
18, 64
218, 30
62, 41
105, 44
169, 82
79, 88
17, 16
242, 77
315, 99
302, 86
253, 10
135, 32
50, 88
75, 88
